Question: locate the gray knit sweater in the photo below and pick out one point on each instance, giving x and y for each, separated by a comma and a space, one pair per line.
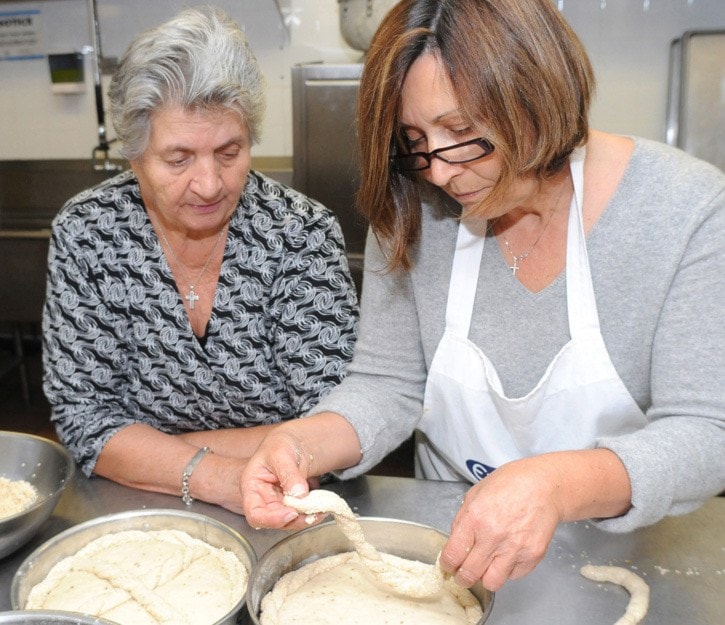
657, 257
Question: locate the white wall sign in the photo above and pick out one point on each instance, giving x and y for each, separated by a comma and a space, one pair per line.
21, 35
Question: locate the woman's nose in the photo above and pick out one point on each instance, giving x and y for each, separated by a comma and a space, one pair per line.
440, 172
206, 179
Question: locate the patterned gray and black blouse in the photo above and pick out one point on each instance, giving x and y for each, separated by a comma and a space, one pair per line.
118, 346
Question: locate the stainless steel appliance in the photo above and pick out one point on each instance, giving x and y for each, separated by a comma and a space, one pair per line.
325, 154
696, 104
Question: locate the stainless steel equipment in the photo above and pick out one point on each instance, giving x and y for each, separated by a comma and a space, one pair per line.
404, 539
696, 103
326, 161
49, 617
359, 19
44, 464
31, 193
217, 534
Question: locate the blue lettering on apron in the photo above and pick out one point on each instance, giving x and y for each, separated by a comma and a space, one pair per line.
478, 469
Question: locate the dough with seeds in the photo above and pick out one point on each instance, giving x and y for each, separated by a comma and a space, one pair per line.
364, 586
137, 577
633, 583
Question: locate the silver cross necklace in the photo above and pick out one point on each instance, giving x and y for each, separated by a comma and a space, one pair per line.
191, 296
521, 257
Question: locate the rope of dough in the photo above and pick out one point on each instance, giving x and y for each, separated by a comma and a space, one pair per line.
633, 583
420, 581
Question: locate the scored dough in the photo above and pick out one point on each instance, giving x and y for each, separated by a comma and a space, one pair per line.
139, 577
416, 579
633, 583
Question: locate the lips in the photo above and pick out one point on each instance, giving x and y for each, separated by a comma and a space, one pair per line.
205, 209
468, 196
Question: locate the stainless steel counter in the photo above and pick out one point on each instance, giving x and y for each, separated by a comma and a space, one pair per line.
682, 558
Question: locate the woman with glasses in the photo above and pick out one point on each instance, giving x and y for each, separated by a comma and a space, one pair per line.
542, 302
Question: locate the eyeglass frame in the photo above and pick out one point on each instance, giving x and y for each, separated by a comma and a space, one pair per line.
485, 144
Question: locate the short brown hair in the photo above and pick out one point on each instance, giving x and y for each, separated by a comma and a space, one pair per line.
519, 72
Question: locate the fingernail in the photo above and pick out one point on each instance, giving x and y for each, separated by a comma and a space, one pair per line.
289, 517
296, 490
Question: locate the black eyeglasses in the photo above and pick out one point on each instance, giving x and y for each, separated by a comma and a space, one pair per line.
455, 154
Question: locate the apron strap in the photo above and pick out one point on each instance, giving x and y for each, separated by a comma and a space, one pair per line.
464, 275
581, 305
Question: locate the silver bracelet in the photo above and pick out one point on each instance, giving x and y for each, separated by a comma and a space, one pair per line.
186, 475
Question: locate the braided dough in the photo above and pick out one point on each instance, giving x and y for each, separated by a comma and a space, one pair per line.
139, 577
634, 584
416, 579
346, 589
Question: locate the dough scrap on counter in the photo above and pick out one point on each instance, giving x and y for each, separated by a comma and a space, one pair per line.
137, 577
633, 583
415, 579
15, 496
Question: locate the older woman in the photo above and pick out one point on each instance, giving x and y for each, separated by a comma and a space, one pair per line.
542, 302
190, 298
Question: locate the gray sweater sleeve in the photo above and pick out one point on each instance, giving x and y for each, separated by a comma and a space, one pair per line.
382, 395
678, 460
657, 257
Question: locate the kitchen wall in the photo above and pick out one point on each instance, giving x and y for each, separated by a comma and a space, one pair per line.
628, 41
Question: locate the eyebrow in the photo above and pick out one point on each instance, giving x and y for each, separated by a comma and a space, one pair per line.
450, 113
439, 118
238, 140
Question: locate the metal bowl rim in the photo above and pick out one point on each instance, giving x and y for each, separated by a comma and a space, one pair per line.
61, 616
295, 535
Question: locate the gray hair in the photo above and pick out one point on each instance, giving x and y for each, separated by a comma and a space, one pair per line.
198, 60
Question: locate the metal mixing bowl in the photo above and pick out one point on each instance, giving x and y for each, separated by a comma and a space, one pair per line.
49, 617
400, 538
37, 565
48, 467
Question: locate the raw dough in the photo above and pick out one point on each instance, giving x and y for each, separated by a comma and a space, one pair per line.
416, 579
346, 589
633, 583
15, 496
139, 577
340, 590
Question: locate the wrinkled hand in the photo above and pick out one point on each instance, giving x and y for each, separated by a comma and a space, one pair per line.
504, 527
278, 468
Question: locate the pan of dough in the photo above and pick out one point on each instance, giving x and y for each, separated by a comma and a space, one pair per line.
140, 567
343, 598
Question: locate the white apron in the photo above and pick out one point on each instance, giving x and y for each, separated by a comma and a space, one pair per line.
469, 427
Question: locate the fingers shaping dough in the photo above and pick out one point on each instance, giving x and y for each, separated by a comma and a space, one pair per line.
634, 584
417, 580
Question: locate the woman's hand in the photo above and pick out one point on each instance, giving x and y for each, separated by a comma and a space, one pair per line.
280, 467
289, 459
507, 520
504, 526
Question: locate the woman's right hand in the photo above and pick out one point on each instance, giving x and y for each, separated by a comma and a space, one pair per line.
288, 460
279, 467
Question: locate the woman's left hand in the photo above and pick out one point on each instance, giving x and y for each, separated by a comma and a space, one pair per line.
505, 524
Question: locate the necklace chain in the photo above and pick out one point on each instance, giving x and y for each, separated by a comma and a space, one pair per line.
191, 296
521, 257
